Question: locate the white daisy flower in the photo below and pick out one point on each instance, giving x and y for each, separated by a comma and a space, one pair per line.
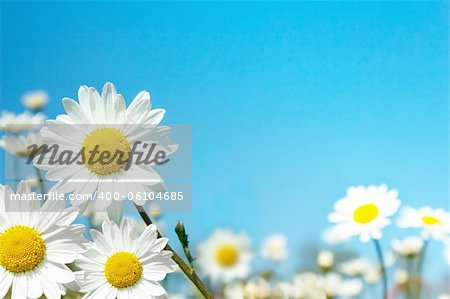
104, 122
35, 244
407, 247
351, 288
15, 123
225, 256
274, 248
325, 259
257, 288
355, 267
120, 265
307, 285
435, 223
18, 145
35, 100
401, 277
365, 211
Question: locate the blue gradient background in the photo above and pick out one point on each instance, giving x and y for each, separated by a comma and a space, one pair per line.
290, 102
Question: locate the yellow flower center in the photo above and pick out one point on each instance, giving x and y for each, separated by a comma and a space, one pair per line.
107, 140
123, 270
366, 213
430, 220
21, 249
227, 255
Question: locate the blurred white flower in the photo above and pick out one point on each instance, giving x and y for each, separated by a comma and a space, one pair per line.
325, 259
335, 286
435, 223
282, 290
234, 290
331, 285
154, 210
18, 145
444, 296
225, 256
257, 289
32, 181
35, 100
307, 285
365, 211
350, 288
15, 123
274, 248
408, 246
355, 267
401, 277
372, 275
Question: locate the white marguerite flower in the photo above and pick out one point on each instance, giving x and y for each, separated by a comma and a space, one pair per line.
120, 265
350, 288
334, 285
407, 247
307, 285
355, 267
225, 256
234, 290
36, 243
32, 181
18, 145
257, 288
435, 223
372, 275
274, 248
35, 100
325, 259
104, 122
15, 123
401, 276
365, 211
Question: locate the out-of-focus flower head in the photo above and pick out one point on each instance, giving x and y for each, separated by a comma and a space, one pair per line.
401, 277
257, 288
19, 145
225, 256
325, 259
435, 223
274, 248
35, 100
407, 247
355, 267
365, 211
25, 121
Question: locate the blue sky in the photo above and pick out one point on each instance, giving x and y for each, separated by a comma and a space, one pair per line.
290, 103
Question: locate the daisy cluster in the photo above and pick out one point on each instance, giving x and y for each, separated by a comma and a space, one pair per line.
46, 252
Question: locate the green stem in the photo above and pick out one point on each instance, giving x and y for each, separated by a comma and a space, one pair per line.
188, 271
420, 260
40, 180
382, 268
